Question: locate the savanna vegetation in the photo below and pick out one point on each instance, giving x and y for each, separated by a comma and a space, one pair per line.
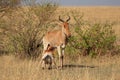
92, 52
24, 27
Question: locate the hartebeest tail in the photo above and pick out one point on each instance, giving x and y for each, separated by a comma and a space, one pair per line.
58, 39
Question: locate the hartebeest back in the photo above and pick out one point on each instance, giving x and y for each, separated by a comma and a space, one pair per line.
58, 39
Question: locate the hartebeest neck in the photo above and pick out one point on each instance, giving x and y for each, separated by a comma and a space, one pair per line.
64, 36
66, 32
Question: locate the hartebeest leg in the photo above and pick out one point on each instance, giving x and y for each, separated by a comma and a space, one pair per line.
55, 63
60, 56
43, 64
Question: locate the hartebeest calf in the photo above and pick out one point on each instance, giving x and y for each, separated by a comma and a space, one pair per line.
48, 57
58, 39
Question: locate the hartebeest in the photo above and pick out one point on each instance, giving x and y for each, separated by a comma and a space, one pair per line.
48, 57
58, 39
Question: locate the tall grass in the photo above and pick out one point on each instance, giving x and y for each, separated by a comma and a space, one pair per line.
83, 69
21, 32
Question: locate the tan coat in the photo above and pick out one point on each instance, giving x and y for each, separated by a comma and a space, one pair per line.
58, 39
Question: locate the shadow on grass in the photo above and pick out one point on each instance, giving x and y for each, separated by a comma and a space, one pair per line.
72, 66
77, 66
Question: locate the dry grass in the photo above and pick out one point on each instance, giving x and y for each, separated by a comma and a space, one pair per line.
95, 14
85, 68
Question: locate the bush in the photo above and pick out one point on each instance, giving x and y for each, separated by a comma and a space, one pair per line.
26, 27
94, 39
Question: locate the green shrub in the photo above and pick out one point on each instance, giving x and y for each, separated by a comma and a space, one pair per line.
92, 39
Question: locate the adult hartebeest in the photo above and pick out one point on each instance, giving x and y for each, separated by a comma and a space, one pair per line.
58, 39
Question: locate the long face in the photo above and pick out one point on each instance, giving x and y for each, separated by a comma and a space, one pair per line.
66, 29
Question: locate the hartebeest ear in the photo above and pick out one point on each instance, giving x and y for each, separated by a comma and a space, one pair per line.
61, 19
68, 19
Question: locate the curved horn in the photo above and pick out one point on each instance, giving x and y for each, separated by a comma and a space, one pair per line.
60, 19
68, 19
